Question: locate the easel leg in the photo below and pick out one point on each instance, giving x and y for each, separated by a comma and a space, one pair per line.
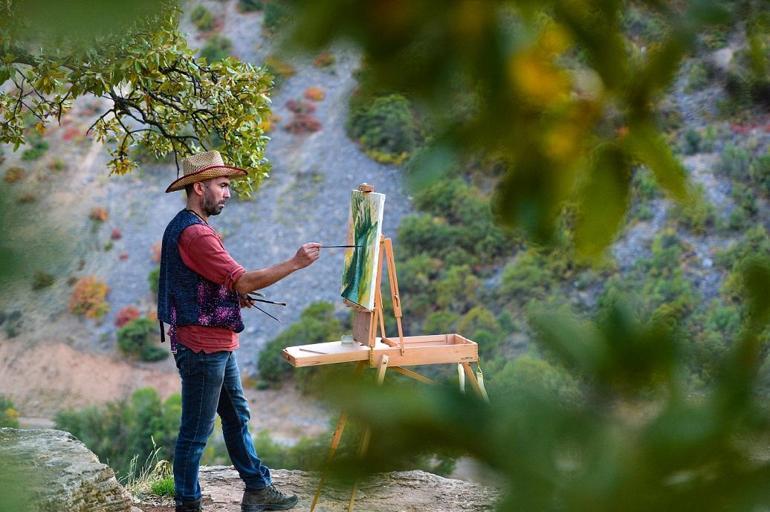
474, 382
364, 446
336, 438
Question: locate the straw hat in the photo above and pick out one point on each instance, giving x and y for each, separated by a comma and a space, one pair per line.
202, 167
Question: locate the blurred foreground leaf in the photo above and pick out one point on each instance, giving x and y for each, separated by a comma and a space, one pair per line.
633, 441
558, 92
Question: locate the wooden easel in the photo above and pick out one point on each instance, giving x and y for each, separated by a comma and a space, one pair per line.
384, 353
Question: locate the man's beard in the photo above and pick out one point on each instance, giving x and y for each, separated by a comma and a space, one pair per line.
210, 207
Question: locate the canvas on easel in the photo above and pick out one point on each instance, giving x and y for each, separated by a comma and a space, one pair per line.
364, 231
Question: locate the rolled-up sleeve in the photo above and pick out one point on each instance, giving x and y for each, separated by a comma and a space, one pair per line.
203, 252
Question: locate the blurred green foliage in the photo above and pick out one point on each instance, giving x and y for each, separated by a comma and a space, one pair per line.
563, 94
139, 339
606, 421
9, 416
217, 48
158, 95
120, 431
202, 18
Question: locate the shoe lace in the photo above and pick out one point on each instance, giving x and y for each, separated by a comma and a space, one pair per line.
275, 494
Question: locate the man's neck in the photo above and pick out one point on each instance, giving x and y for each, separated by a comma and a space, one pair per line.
197, 210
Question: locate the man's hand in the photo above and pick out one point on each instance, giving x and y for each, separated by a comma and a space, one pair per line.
307, 254
245, 302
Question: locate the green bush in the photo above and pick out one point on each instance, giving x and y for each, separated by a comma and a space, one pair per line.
527, 277
163, 487
386, 128
316, 324
440, 322
139, 339
759, 171
697, 214
734, 162
9, 416
42, 280
697, 77
277, 14
126, 429
250, 5
153, 278
692, 141
37, 147
202, 18
457, 290
528, 374
217, 48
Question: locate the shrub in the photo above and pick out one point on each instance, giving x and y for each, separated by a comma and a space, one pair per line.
89, 297
42, 280
457, 290
202, 18
759, 170
302, 123
314, 94
527, 374
324, 60
300, 107
14, 174
163, 487
387, 129
12, 323
527, 277
734, 162
250, 5
691, 143
126, 429
424, 234
279, 68
139, 339
697, 77
277, 13
217, 48
316, 324
38, 147
99, 214
153, 278
9, 416
697, 214
126, 315
440, 322
480, 325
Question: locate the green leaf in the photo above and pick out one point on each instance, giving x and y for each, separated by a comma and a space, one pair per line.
603, 201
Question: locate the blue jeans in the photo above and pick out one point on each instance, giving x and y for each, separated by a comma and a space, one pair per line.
211, 385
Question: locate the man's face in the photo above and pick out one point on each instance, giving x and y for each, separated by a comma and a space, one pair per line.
216, 192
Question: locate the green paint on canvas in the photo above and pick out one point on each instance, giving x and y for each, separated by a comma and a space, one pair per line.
361, 262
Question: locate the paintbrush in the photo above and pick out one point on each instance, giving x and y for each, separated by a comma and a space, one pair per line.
339, 246
256, 298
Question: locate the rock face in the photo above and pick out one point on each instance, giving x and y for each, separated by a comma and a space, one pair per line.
50, 470
405, 491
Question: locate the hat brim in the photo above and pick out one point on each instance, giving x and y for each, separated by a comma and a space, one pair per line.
207, 173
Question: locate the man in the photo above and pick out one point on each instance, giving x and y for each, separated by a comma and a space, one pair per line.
200, 292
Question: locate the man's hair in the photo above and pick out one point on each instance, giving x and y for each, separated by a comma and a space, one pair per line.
188, 189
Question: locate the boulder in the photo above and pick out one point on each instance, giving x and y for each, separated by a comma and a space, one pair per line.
50, 470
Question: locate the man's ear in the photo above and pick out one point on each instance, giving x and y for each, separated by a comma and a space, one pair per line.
198, 187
